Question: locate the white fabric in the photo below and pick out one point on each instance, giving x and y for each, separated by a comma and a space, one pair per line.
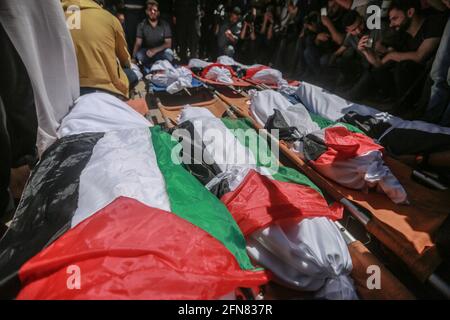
364, 172
197, 63
270, 76
228, 61
164, 74
264, 103
100, 112
310, 255
234, 160
123, 163
137, 71
359, 173
219, 74
39, 33
333, 107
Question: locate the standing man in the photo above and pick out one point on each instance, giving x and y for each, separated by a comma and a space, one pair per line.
229, 32
101, 49
186, 15
154, 38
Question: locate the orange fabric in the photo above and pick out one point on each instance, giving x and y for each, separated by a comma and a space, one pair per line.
391, 287
139, 105
216, 107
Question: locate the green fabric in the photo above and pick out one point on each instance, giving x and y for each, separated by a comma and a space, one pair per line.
261, 151
191, 201
325, 123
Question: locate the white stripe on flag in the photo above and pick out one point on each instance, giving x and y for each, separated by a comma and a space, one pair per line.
123, 163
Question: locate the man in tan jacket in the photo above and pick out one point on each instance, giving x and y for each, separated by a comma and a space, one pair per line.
101, 48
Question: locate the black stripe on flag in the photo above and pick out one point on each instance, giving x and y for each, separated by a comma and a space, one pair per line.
204, 172
48, 204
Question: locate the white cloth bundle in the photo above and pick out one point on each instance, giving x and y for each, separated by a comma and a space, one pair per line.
270, 76
101, 112
359, 173
310, 255
219, 74
197, 63
164, 74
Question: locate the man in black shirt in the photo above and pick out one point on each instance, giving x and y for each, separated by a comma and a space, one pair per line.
396, 71
154, 38
229, 32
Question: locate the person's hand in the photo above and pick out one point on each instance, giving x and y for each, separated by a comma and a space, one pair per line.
268, 17
229, 35
380, 48
391, 56
326, 21
323, 37
446, 3
362, 44
150, 53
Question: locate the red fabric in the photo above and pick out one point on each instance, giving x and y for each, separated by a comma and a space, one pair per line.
130, 251
252, 71
343, 144
206, 70
260, 201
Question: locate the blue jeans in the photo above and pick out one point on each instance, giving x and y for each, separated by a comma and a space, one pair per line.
141, 56
439, 104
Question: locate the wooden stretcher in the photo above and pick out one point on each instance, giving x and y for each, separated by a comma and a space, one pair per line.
407, 230
362, 258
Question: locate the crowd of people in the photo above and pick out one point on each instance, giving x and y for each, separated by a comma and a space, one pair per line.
390, 54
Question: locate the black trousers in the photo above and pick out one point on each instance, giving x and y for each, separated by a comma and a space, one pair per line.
187, 37
18, 121
396, 78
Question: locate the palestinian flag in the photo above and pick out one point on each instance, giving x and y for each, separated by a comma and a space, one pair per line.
240, 169
115, 208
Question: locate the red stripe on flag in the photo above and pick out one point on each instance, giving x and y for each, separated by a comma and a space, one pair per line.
259, 202
343, 144
206, 70
252, 71
130, 251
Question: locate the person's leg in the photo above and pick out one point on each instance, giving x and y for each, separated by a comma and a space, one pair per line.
5, 161
18, 119
406, 74
166, 54
384, 79
312, 58
142, 57
445, 120
440, 73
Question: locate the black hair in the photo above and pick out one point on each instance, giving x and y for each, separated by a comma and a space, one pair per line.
350, 18
405, 5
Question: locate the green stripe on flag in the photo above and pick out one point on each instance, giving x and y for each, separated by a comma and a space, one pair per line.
190, 200
325, 123
244, 132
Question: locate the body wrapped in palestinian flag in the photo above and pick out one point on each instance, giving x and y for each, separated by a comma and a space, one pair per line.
114, 207
287, 223
398, 136
348, 158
